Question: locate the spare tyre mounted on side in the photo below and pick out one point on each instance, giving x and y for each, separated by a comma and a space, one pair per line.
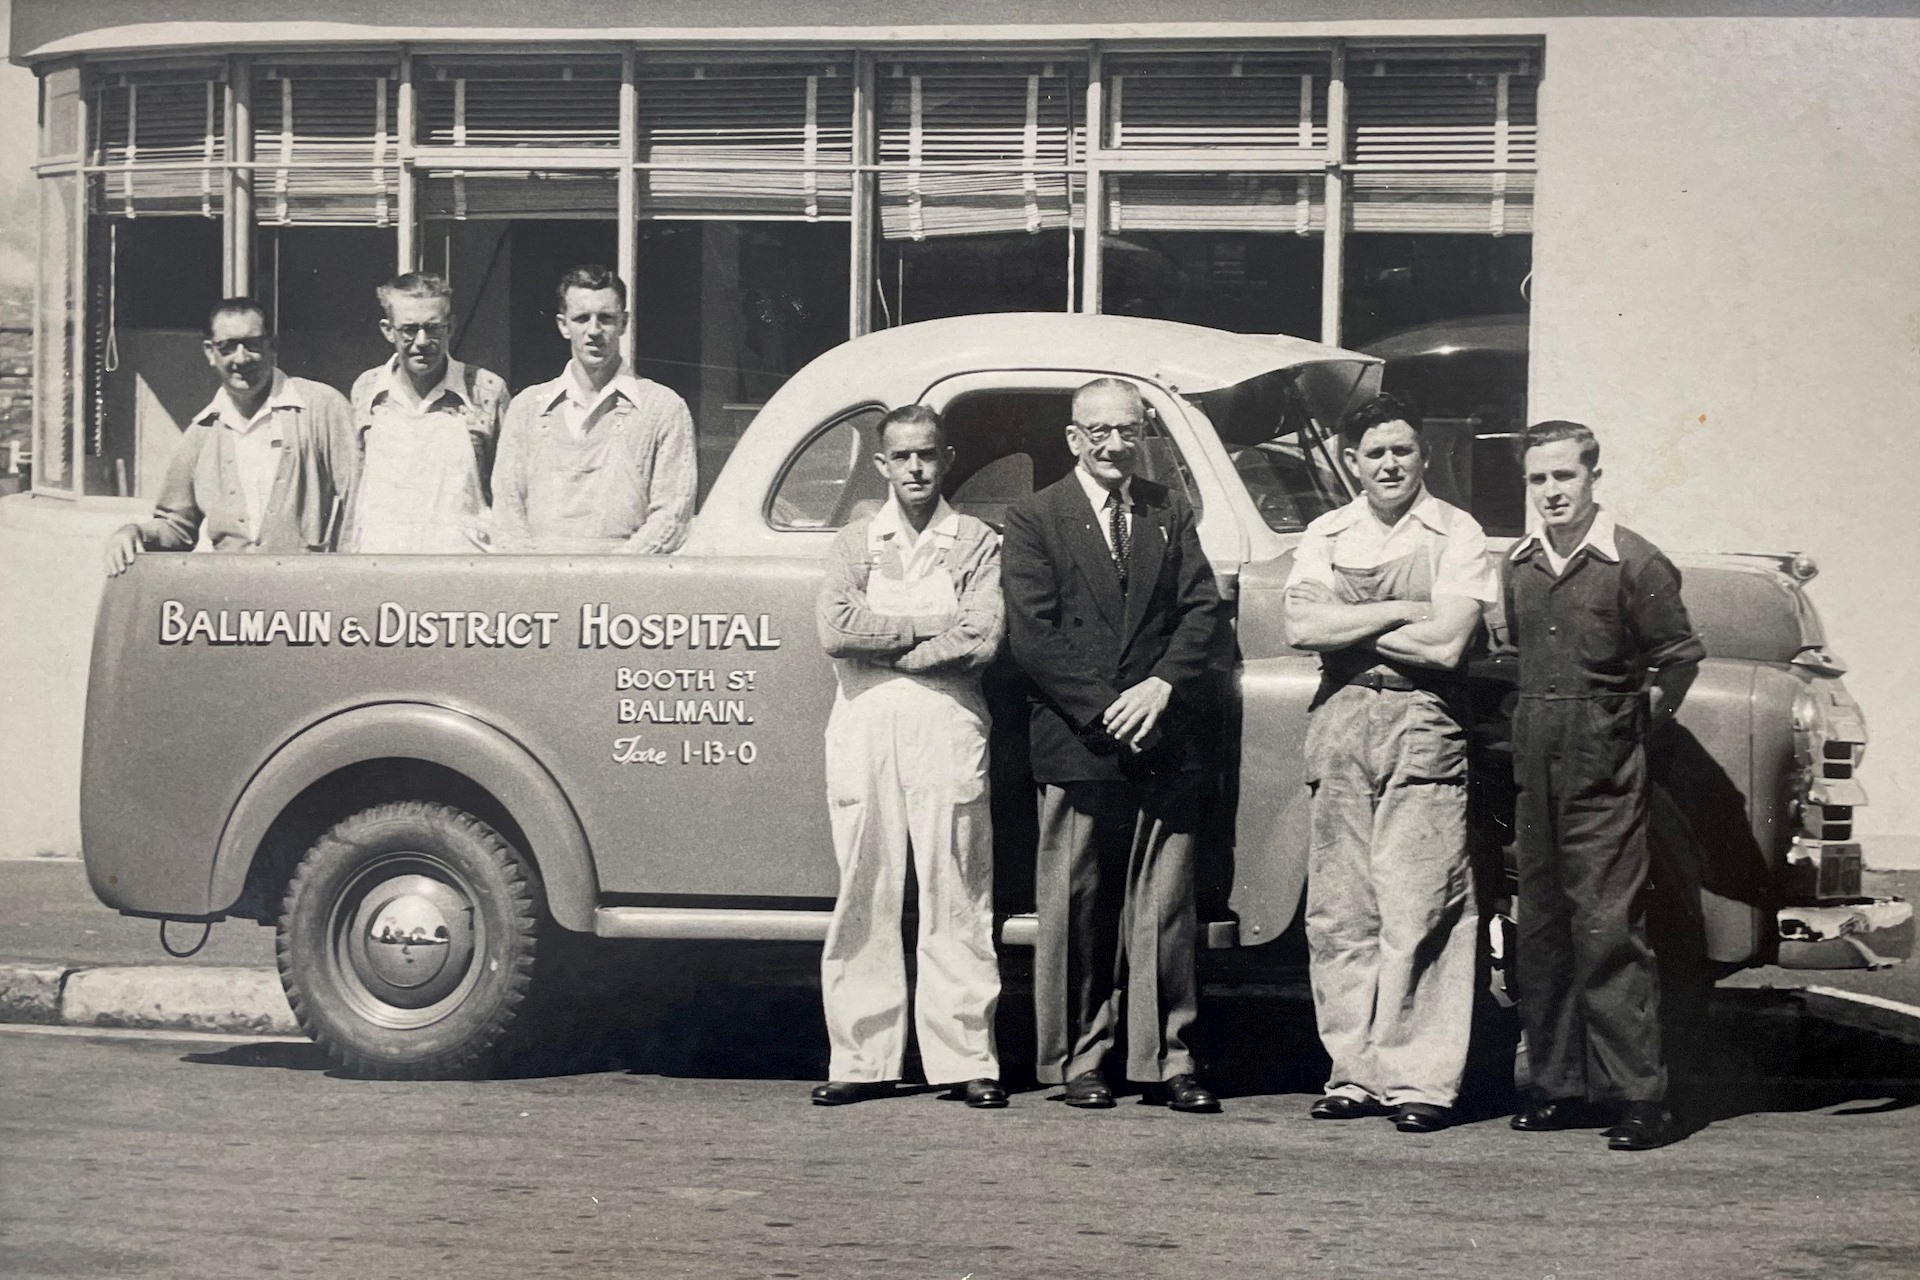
411, 940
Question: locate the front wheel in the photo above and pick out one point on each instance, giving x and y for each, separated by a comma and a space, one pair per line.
409, 941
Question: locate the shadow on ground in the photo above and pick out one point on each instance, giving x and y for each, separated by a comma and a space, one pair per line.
728, 1011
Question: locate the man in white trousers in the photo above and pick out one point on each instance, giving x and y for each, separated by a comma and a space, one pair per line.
911, 612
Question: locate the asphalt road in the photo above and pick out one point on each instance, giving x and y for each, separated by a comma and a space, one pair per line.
679, 1143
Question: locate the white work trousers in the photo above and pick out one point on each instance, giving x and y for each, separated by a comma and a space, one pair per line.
907, 766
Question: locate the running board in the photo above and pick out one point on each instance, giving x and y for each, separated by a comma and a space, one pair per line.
803, 926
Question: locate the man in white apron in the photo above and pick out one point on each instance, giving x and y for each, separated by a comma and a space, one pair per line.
911, 613
427, 425
599, 459
1388, 590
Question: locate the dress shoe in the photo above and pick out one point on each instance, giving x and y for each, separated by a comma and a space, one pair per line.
1421, 1117
1184, 1093
1554, 1114
983, 1094
1089, 1090
1644, 1126
838, 1093
1340, 1106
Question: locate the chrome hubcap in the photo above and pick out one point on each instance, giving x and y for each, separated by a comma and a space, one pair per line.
406, 939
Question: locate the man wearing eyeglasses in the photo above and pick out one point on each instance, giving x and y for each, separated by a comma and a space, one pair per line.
426, 425
1113, 614
268, 465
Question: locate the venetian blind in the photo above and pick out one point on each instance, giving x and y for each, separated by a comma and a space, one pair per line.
325, 145
746, 140
141, 123
1275, 106
571, 106
1443, 140
975, 148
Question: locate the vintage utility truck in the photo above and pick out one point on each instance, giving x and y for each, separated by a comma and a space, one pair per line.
425, 772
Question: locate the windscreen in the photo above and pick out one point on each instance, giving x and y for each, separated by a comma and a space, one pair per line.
1280, 453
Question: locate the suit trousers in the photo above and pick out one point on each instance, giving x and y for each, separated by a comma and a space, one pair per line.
1391, 920
907, 767
1589, 990
1117, 927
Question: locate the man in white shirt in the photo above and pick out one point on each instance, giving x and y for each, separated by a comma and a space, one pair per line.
426, 425
1113, 615
910, 611
598, 459
268, 465
1388, 590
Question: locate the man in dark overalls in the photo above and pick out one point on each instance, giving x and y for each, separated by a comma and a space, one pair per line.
1606, 654
1388, 590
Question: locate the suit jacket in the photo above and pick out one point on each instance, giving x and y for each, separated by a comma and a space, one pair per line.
1081, 642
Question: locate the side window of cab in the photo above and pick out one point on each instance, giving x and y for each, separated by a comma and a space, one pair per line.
830, 481
1006, 444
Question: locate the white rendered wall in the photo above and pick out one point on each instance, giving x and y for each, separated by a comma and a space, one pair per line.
1727, 288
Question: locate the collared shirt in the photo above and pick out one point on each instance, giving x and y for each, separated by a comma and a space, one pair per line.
1101, 497
1597, 626
856, 634
580, 471
580, 405
424, 460
258, 441
315, 468
919, 553
1599, 538
1352, 538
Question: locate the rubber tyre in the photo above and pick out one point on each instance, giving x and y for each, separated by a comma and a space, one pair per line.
426, 865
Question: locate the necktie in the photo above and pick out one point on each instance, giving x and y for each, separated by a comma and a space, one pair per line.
1117, 523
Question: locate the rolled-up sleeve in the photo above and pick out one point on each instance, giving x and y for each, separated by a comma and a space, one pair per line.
1465, 570
1312, 560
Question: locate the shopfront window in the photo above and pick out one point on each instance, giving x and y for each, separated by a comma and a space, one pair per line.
55, 315
1235, 189
977, 210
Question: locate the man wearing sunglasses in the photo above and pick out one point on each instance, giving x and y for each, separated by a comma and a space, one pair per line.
268, 465
426, 425
1113, 614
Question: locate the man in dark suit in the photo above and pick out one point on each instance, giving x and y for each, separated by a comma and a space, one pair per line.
1113, 614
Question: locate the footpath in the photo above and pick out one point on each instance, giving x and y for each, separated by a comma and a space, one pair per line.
67, 960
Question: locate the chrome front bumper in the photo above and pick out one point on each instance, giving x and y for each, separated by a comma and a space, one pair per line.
1866, 933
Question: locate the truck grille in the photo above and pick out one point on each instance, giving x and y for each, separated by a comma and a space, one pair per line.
1837, 760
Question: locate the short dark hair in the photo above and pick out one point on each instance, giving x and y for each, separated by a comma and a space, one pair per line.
1383, 408
413, 284
239, 306
911, 415
1557, 429
589, 275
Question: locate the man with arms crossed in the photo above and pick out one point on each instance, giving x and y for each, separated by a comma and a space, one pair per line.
1607, 653
910, 611
267, 466
1113, 614
1388, 589
427, 425
599, 459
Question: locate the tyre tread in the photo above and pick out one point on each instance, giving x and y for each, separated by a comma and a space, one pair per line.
525, 907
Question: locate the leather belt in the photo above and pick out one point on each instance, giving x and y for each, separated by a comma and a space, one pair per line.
1377, 679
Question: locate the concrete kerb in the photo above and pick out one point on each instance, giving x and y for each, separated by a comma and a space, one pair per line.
233, 1001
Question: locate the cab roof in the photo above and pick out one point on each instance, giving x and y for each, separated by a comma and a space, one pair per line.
1188, 358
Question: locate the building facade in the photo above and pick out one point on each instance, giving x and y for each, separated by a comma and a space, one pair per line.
1701, 217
